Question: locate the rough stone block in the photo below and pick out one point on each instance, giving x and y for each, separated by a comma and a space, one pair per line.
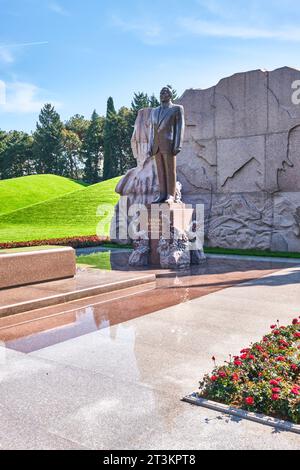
286, 225
282, 113
241, 164
197, 166
289, 174
199, 113
241, 105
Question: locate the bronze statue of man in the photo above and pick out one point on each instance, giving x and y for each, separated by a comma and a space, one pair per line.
166, 139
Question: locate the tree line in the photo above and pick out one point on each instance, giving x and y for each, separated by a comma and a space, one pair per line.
90, 150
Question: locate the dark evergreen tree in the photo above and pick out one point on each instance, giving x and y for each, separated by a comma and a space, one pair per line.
110, 169
48, 142
79, 125
72, 151
153, 102
174, 93
92, 149
140, 100
16, 155
124, 127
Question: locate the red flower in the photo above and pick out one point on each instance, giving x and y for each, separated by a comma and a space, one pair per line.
244, 356
259, 348
249, 400
275, 397
284, 343
235, 377
246, 350
274, 382
295, 321
297, 334
214, 378
295, 390
237, 362
280, 359
276, 390
251, 357
222, 374
276, 332
273, 327
294, 367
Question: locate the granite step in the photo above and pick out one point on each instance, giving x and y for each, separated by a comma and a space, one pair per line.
87, 283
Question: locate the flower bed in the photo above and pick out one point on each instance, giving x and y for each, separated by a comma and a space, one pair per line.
75, 242
264, 378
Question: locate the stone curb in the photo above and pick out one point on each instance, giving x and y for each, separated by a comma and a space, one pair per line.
255, 258
256, 417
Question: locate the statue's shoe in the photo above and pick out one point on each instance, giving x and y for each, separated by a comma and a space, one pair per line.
159, 200
170, 199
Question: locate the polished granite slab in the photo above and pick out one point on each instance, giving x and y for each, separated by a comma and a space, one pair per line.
86, 283
120, 387
40, 328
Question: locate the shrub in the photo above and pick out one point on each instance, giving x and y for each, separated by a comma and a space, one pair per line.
264, 378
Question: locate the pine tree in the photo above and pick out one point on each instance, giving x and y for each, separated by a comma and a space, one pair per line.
110, 169
72, 150
93, 149
153, 102
16, 157
48, 142
79, 125
174, 93
125, 158
140, 100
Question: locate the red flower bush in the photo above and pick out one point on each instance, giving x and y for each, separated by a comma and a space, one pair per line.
265, 378
75, 242
249, 401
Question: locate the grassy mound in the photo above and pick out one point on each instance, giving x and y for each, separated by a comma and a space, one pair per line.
74, 214
18, 193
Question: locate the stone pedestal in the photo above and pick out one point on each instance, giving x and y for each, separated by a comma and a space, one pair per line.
165, 221
167, 237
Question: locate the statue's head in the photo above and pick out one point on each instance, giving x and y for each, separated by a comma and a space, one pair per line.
166, 94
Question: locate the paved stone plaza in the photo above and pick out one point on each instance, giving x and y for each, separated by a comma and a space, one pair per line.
109, 372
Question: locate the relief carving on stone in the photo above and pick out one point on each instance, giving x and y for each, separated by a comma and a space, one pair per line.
241, 158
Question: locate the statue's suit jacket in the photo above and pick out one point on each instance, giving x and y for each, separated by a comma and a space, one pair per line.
166, 130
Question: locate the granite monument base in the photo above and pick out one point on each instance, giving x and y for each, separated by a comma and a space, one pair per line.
167, 240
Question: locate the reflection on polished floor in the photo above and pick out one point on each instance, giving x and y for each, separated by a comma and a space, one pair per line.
40, 328
110, 374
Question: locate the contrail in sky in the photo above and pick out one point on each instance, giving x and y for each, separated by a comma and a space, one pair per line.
25, 44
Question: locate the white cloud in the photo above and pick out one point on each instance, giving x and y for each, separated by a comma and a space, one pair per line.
7, 50
151, 33
6, 55
23, 97
58, 8
208, 28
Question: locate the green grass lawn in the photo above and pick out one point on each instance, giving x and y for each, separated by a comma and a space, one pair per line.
96, 260
18, 193
72, 215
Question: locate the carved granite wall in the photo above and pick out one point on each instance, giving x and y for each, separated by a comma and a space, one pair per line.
241, 158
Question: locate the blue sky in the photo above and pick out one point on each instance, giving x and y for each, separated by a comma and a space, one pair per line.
77, 53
